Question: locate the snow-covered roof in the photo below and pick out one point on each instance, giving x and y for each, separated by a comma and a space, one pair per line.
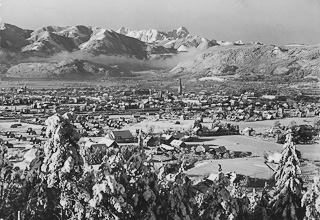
167, 147
108, 142
176, 143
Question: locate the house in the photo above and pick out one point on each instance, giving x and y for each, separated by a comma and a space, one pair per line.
108, 142
237, 154
167, 147
214, 149
166, 139
120, 136
178, 144
196, 130
15, 125
216, 129
223, 149
178, 135
149, 141
248, 131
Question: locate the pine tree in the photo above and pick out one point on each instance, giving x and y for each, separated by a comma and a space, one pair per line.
311, 200
217, 202
55, 178
259, 204
286, 202
11, 187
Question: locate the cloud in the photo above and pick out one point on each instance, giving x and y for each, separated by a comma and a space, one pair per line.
130, 63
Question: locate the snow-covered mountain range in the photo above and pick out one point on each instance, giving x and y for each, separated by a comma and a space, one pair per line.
179, 39
85, 50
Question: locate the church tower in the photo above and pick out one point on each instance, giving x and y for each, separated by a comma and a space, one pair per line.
180, 87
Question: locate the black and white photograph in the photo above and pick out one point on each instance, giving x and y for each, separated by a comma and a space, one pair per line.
160, 110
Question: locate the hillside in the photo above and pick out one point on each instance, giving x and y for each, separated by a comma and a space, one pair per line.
75, 69
13, 38
255, 62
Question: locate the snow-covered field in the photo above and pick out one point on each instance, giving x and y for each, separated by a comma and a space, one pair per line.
160, 125
253, 167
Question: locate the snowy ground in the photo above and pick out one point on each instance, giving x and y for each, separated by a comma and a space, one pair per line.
212, 78
160, 125
258, 146
261, 126
253, 167
19, 146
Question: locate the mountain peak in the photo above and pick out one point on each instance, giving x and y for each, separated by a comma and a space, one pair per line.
123, 30
2, 26
182, 31
153, 35
6, 26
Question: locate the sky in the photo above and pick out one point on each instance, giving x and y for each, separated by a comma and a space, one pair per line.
268, 21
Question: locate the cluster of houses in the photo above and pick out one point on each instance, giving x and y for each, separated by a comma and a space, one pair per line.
161, 145
28, 137
115, 100
303, 133
217, 129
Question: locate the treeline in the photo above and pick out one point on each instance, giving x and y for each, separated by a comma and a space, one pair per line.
60, 185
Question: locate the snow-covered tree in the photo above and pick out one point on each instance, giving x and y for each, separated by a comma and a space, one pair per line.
239, 195
316, 122
259, 204
311, 200
55, 179
276, 124
11, 187
286, 202
217, 202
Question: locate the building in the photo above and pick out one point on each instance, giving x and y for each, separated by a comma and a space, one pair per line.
180, 87
120, 136
248, 131
166, 139
108, 142
150, 141
178, 144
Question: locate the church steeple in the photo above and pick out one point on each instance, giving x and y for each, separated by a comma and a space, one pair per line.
180, 87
